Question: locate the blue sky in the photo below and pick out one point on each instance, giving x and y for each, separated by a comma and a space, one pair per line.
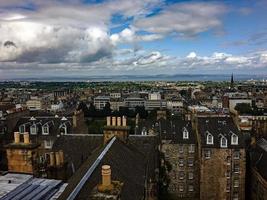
80, 37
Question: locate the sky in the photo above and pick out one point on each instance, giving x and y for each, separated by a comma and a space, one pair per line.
72, 38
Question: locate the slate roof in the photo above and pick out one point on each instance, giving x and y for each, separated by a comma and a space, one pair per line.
77, 148
258, 157
219, 127
128, 165
55, 125
169, 129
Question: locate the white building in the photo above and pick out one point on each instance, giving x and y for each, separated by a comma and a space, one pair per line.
154, 96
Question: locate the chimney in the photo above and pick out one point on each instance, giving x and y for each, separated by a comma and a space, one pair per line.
16, 137
52, 159
61, 157
113, 121
108, 121
106, 175
118, 121
26, 138
124, 121
57, 159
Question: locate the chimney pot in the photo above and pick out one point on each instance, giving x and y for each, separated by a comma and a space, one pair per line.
119, 121
106, 175
124, 121
16, 137
113, 121
52, 159
26, 138
108, 121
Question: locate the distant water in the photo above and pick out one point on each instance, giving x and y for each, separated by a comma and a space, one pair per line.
177, 77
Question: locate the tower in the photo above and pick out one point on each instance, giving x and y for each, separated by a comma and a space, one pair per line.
232, 81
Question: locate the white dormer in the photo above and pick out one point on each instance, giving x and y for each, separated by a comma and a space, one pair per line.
33, 129
64, 119
209, 138
32, 119
63, 129
223, 142
45, 129
185, 133
234, 139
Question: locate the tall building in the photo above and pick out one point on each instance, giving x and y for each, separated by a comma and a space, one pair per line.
180, 150
222, 159
258, 183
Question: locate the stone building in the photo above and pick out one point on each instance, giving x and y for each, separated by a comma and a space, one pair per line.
222, 159
116, 126
180, 150
258, 172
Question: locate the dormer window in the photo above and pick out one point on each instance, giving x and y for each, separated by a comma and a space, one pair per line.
234, 139
33, 129
63, 129
209, 139
45, 129
185, 134
22, 128
223, 142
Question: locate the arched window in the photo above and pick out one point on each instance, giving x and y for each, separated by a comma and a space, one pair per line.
223, 142
234, 139
209, 139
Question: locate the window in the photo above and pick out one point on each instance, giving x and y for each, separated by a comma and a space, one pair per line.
181, 175
236, 154
235, 196
236, 168
181, 149
33, 129
190, 162
22, 128
190, 188
181, 188
191, 148
223, 142
181, 162
45, 129
236, 183
234, 139
209, 139
185, 133
48, 144
207, 154
63, 129
190, 175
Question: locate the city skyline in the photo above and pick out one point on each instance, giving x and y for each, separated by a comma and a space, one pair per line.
72, 38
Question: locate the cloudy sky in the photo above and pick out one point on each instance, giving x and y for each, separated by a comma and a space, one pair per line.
46, 38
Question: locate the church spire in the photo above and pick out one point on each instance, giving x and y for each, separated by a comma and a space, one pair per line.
232, 81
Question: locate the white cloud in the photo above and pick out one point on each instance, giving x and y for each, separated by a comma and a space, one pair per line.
185, 19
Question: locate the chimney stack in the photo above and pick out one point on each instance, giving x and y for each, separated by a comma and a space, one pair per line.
113, 121
118, 121
16, 137
106, 175
26, 138
124, 121
108, 121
